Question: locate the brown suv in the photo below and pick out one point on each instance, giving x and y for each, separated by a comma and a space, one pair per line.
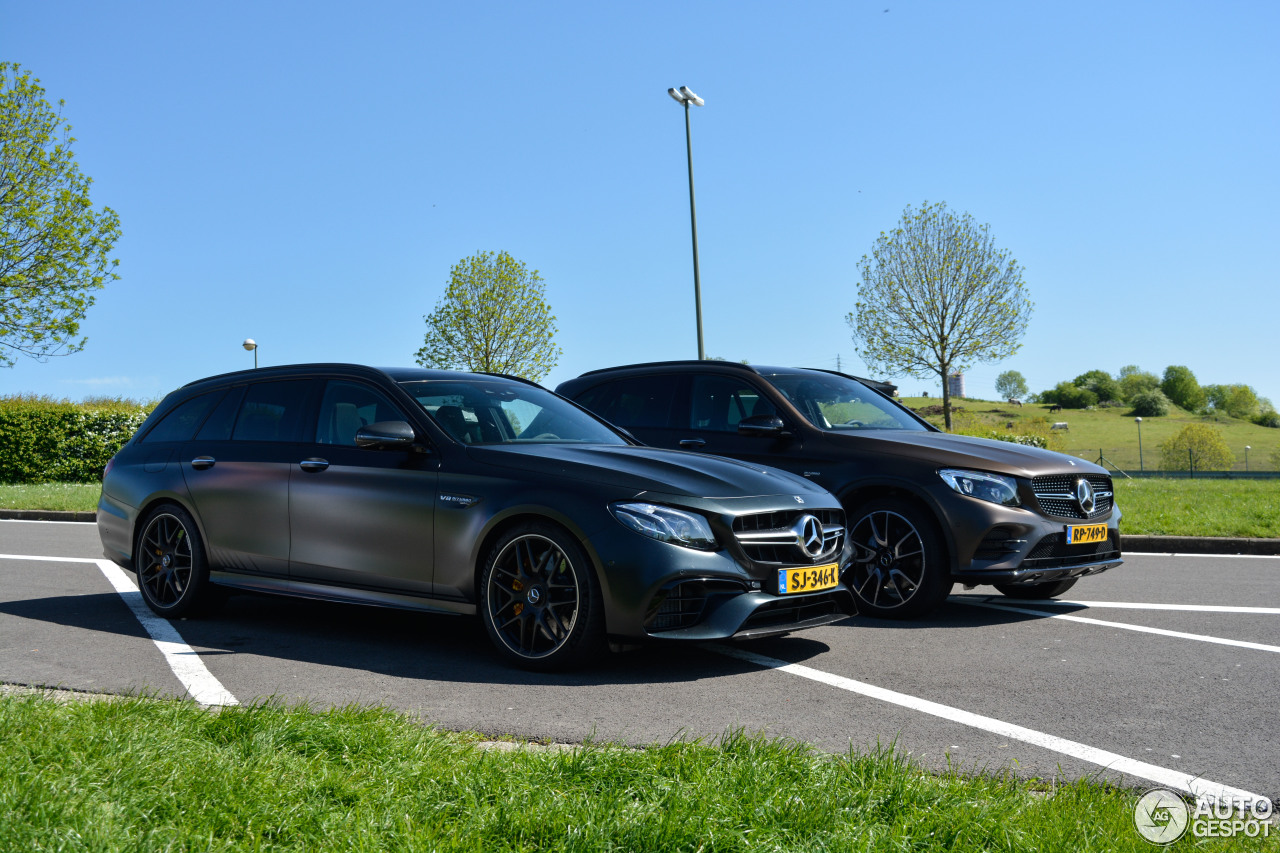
925, 508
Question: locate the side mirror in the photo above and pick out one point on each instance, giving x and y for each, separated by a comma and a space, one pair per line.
385, 435
763, 426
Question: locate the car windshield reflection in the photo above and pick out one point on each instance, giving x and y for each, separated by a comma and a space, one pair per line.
484, 412
839, 404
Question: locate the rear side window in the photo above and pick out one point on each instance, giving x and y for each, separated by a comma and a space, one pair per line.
181, 423
272, 411
640, 401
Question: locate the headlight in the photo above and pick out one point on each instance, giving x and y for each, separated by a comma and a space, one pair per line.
666, 524
987, 487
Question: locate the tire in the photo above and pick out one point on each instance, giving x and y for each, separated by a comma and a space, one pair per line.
540, 600
899, 568
173, 574
1049, 589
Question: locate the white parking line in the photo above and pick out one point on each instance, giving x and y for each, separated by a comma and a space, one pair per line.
1121, 605
1206, 556
1175, 779
1143, 629
182, 659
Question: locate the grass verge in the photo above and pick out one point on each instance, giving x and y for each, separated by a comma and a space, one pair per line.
1246, 508
141, 774
68, 497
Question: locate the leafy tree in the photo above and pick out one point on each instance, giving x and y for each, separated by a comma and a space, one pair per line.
1011, 385
1238, 401
53, 244
1267, 415
1133, 382
1104, 387
1182, 389
493, 317
1069, 396
937, 296
1199, 443
1150, 404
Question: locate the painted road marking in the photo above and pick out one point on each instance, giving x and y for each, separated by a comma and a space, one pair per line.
1175, 779
1203, 638
1122, 605
1210, 556
182, 659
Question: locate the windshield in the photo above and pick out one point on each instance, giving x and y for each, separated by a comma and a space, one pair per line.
840, 404
484, 411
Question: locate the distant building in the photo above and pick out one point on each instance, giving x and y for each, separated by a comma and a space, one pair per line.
955, 385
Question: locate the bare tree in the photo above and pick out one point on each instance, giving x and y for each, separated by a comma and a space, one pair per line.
936, 297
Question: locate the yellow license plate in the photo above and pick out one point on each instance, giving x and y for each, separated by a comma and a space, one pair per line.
809, 579
1086, 534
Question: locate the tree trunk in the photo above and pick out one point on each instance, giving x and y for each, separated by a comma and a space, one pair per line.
946, 397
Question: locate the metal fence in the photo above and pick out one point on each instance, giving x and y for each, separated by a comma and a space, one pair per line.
1128, 460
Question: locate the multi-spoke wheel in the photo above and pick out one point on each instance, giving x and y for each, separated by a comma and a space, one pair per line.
539, 598
899, 568
1048, 589
172, 573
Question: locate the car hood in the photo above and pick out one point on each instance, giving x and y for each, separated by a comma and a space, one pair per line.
963, 451
641, 469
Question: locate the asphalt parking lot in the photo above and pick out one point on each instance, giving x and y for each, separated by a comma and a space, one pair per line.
1165, 671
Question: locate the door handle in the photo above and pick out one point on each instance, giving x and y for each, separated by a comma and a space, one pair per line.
313, 465
203, 463
692, 442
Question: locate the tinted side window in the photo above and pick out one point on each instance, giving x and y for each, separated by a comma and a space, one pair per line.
719, 403
272, 411
181, 423
218, 426
640, 401
347, 406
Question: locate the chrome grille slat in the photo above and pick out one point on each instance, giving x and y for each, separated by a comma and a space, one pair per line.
768, 537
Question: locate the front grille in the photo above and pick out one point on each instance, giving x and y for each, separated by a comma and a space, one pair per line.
1053, 552
682, 605
776, 537
1056, 494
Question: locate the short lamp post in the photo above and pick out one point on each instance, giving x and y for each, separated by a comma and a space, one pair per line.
685, 97
1247, 448
252, 346
1138, 421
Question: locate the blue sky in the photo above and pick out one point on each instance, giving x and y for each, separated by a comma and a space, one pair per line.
305, 174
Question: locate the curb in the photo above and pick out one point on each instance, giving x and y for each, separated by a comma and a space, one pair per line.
1139, 544
46, 515
1199, 545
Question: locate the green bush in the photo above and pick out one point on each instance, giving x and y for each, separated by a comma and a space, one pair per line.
1199, 442
1150, 404
1069, 396
1029, 440
57, 441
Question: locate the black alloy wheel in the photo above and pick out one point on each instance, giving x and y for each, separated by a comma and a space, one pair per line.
540, 600
899, 567
173, 575
1048, 589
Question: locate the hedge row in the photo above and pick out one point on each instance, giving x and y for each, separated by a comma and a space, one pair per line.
56, 441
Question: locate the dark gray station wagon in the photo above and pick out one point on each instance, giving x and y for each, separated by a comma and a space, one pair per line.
464, 493
926, 509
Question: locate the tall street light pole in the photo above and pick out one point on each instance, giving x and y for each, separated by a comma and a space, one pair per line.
685, 97
1138, 421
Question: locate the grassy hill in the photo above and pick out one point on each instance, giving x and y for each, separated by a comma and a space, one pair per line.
1111, 431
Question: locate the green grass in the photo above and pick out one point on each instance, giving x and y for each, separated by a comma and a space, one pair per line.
1248, 508
71, 497
1201, 507
139, 774
1114, 433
